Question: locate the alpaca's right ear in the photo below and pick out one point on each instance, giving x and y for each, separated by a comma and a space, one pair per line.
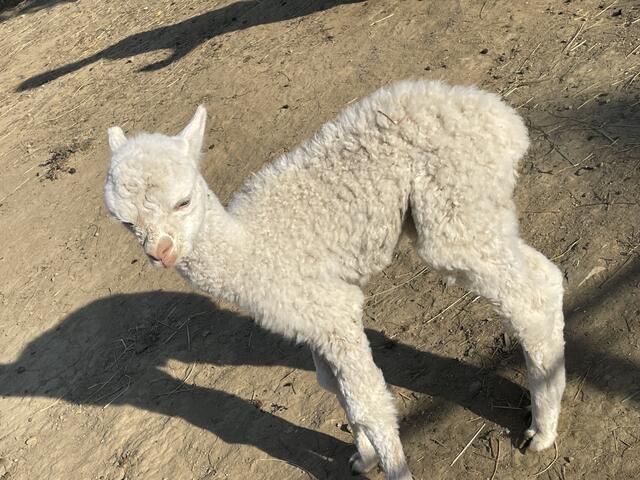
116, 138
193, 133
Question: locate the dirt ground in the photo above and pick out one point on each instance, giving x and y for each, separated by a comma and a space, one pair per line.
112, 370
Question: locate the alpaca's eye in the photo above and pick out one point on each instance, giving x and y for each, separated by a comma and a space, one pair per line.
182, 204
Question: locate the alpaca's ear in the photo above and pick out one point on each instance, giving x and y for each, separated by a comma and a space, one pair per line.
116, 138
193, 133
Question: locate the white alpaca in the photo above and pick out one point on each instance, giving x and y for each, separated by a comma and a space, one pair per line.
297, 242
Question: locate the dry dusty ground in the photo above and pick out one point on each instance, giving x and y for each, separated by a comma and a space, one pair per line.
110, 369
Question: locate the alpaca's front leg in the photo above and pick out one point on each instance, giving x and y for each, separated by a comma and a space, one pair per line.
365, 458
367, 403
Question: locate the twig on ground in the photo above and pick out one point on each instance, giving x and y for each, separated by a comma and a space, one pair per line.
629, 397
495, 465
555, 445
528, 57
468, 444
581, 384
179, 388
120, 393
615, 272
577, 164
395, 287
382, 19
567, 249
574, 37
482, 8
15, 190
577, 45
633, 51
633, 79
605, 9
448, 308
182, 325
53, 404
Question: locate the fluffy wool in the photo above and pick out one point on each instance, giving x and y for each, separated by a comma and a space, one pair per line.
303, 235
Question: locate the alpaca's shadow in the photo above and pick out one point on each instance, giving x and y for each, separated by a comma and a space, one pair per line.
12, 8
181, 38
110, 351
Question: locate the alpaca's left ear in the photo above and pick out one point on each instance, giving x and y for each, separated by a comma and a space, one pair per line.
116, 138
193, 133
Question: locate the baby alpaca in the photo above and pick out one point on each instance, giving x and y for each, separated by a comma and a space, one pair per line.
303, 235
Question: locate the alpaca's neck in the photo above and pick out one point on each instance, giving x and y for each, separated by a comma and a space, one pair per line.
215, 263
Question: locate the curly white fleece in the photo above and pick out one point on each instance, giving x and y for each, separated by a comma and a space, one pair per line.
304, 233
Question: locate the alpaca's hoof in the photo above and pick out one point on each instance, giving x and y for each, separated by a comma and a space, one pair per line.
358, 465
536, 441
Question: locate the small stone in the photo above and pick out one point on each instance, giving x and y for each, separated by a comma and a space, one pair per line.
568, 459
21, 369
344, 427
616, 13
31, 441
484, 51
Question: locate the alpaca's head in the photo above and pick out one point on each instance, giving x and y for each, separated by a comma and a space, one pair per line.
155, 189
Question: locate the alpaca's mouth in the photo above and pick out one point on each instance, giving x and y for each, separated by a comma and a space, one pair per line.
167, 262
156, 263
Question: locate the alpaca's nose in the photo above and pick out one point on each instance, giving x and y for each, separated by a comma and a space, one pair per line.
161, 251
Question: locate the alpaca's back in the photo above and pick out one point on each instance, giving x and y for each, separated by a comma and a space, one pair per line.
341, 196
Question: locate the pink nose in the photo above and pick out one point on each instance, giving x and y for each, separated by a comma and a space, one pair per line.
161, 250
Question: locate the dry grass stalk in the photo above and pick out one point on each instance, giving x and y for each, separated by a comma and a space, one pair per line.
468, 445
573, 39
443, 311
382, 19
495, 465
555, 445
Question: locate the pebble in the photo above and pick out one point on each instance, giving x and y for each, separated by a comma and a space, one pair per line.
31, 441
344, 427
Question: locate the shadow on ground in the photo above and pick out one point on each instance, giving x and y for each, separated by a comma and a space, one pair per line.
181, 38
111, 351
13, 8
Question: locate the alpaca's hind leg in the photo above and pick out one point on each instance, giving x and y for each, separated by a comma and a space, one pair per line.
365, 458
543, 343
527, 290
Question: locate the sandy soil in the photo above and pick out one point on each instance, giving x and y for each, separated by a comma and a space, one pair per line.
110, 369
